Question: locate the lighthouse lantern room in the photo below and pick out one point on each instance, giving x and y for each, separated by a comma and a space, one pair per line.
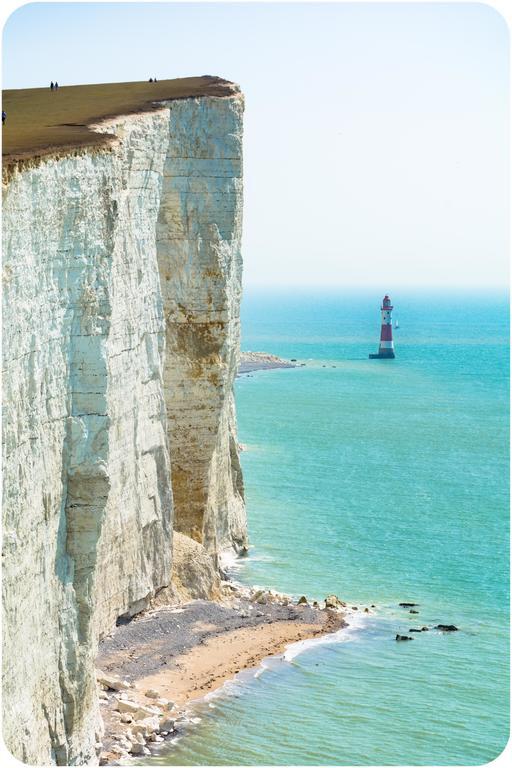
386, 349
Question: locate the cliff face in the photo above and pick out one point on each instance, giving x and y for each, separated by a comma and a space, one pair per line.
121, 299
198, 246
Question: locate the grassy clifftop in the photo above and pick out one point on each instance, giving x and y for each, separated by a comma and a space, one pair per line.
41, 122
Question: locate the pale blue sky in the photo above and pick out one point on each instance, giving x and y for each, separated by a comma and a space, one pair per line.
376, 135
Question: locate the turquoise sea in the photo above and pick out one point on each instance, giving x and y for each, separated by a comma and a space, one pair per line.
381, 481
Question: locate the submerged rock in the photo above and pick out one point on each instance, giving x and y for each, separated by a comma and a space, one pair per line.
407, 605
447, 627
403, 637
413, 611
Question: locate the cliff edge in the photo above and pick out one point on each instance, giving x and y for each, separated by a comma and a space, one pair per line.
122, 284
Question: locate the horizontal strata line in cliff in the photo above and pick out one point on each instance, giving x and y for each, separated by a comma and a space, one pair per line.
44, 122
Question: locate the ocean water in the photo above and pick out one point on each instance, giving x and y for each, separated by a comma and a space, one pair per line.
383, 482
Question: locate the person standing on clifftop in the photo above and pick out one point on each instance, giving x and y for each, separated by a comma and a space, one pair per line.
56, 85
51, 86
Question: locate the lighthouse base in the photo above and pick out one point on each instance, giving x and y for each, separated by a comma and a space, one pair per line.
384, 354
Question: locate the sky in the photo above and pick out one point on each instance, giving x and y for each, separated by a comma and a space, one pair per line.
375, 138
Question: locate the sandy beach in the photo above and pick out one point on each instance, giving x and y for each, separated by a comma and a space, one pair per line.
152, 668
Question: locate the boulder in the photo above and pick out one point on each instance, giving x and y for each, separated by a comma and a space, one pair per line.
138, 711
167, 724
332, 601
111, 681
447, 627
140, 749
117, 749
302, 600
403, 637
152, 694
125, 744
264, 598
126, 717
164, 703
136, 737
124, 705
144, 712
147, 726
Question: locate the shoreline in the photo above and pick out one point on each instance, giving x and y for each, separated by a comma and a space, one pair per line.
151, 670
262, 361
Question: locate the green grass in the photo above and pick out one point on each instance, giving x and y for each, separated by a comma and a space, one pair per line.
41, 121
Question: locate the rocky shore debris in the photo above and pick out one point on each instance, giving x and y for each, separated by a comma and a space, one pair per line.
262, 361
333, 602
132, 726
135, 713
111, 682
268, 597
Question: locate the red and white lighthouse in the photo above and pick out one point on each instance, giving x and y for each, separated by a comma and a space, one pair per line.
386, 349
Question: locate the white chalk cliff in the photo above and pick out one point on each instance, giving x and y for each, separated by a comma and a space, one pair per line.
122, 283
